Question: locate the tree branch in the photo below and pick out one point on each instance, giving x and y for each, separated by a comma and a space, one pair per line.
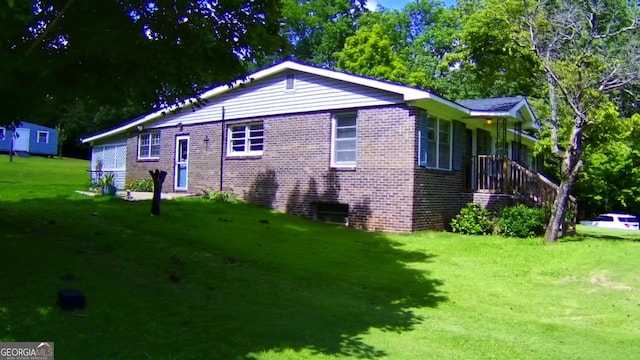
633, 27
563, 90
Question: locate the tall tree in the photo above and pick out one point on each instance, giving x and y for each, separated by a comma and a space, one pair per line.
584, 49
370, 53
611, 176
150, 52
417, 37
424, 36
317, 29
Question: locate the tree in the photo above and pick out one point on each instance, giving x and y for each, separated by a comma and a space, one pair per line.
583, 49
406, 46
610, 179
151, 53
424, 37
317, 29
369, 53
62, 137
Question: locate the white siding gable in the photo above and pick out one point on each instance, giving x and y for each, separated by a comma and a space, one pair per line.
269, 96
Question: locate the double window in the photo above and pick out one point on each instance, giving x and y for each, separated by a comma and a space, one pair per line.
149, 145
245, 139
344, 140
43, 137
435, 142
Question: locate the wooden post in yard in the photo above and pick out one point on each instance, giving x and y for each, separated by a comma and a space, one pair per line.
158, 179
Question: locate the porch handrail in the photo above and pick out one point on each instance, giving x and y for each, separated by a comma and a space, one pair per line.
499, 174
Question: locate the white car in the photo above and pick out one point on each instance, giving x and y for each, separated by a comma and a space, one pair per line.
614, 221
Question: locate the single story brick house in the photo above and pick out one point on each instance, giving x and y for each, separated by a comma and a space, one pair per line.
335, 147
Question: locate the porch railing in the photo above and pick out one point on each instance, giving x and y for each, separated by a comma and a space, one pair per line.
501, 175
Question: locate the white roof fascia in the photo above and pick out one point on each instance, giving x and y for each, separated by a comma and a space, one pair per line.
481, 113
526, 136
124, 127
525, 104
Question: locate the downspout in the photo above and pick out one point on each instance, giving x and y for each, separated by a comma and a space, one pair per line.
222, 143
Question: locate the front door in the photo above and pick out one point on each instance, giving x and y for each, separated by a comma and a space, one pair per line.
21, 142
182, 163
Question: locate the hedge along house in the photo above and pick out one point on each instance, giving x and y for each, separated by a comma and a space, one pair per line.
333, 146
31, 139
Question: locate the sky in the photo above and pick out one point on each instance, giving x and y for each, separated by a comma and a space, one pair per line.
397, 4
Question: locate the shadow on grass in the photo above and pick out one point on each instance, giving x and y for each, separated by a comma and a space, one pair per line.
582, 237
585, 232
203, 280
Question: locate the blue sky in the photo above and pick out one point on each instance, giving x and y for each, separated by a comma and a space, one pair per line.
399, 4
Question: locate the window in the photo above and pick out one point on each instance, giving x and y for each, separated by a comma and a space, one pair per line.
344, 140
149, 145
245, 139
434, 150
43, 137
1, 133
290, 83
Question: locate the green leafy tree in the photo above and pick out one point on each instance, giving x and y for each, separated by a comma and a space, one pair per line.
407, 46
151, 53
317, 29
611, 176
583, 50
425, 37
370, 53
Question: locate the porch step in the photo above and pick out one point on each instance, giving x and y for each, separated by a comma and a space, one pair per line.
23, 154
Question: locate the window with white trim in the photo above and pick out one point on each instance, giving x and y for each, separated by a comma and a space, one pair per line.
1, 133
43, 137
434, 150
344, 140
149, 145
245, 139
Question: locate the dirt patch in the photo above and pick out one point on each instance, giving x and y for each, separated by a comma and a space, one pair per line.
606, 282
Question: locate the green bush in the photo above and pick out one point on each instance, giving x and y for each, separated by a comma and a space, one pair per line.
473, 220
145, 185
521, 221
227, 196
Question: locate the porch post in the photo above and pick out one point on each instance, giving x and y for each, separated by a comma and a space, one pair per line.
502, 150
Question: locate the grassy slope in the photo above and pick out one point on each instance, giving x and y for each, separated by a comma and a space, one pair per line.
159, 287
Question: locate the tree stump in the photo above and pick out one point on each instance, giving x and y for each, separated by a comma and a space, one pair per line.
158, 179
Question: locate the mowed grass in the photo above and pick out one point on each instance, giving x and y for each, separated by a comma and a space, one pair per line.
215, 281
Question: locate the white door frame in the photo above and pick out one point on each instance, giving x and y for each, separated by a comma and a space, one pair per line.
180, 160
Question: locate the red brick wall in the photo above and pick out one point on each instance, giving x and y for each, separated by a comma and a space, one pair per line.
437, 192
386, 191
295, 169
437, 198
492, 202
204, 157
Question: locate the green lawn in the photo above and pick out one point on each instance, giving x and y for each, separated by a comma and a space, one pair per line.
213, 281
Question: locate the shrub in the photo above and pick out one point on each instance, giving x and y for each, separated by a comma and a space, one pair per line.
145, 185
521, 221
473, 220
227, 196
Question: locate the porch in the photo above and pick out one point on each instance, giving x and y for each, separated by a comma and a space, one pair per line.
495, 176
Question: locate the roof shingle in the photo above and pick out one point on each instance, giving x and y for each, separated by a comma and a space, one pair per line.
494, 104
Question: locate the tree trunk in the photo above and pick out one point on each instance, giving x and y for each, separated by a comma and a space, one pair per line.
158, 179
558, 212
11, 146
